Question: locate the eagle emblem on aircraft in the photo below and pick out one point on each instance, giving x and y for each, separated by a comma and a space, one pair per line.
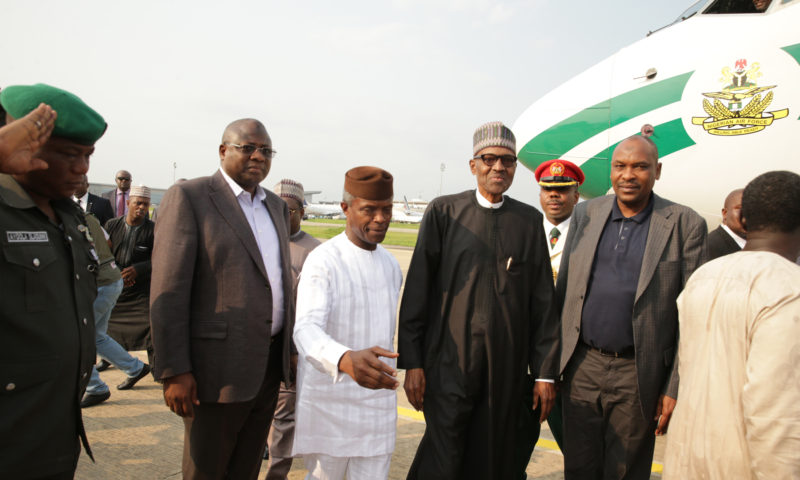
745, 111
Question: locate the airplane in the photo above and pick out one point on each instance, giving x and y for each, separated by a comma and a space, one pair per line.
323, 210
721, 91
403, 213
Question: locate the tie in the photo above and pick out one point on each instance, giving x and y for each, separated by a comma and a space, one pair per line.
554, 234
121, 205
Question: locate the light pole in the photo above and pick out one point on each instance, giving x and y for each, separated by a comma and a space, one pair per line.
441, 178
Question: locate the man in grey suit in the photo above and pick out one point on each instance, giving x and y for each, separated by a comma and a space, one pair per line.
628, 258
221, 306
119, 196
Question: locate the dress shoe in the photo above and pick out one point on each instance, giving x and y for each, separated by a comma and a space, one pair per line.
131, 381
92, 399
102, 365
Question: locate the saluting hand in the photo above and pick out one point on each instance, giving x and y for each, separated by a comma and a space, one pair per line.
180, 394
367, 370
22, 138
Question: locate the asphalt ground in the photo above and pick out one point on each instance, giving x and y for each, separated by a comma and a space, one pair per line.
134, 436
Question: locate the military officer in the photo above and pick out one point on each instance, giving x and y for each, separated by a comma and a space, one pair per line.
47, 276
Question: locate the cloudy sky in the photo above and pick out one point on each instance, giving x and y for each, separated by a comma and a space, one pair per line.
400, 84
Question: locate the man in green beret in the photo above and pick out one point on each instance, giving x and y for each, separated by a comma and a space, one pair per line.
47, 276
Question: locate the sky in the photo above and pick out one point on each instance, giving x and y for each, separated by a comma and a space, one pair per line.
399, 84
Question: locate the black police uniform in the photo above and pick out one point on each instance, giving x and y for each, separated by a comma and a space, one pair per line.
47, 288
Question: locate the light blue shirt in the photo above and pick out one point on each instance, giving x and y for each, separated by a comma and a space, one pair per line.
257, 215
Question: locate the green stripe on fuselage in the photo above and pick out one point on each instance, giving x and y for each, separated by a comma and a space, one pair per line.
567, 134
794, 51
669, 137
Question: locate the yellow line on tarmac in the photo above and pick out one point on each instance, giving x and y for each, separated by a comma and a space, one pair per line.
542, 443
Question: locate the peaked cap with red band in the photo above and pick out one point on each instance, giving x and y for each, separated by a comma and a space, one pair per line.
559, 173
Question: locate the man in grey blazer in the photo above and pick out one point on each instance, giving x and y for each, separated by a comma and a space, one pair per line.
221, 306
627, 260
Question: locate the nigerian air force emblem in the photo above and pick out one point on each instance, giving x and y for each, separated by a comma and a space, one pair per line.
740, 108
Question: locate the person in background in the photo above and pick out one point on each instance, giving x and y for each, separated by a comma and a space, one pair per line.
281, 433
132, 238
119, 196
558, 194
738, 414
729, 236
47, 280
109, 286
89, 202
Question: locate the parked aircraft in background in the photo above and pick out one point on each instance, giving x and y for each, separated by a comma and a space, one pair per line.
323, 210
403, 213
721, 90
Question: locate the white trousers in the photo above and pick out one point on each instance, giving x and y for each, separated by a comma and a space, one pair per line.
325, 467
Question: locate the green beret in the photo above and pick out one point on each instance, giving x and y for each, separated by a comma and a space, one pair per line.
76, 120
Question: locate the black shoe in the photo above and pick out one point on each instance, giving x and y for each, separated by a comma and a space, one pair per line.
92, 399
102, 365
131, 381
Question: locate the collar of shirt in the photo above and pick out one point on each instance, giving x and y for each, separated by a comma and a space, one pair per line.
616, 213
82, 201
238, 190
562, 227
266, 237
739, 240
486, 203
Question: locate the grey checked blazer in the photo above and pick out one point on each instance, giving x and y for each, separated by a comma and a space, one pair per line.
210, 298
676, 246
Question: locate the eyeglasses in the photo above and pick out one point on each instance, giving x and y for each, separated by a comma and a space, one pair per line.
124, 179
250, 149
292, 211
489, 159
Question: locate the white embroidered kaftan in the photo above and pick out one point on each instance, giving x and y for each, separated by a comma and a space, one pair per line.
346, 300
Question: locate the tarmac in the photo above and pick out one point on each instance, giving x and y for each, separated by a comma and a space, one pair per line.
133, 435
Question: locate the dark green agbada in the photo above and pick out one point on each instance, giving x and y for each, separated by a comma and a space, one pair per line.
478, 311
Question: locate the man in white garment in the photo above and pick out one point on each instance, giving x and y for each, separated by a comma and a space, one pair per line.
738, 409
346, 409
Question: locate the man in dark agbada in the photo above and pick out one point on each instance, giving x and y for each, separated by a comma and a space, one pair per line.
477, 313
48, 286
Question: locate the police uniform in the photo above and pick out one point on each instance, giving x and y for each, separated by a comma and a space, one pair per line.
48, 284
46, 333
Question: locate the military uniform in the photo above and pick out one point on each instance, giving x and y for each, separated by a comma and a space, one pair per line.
48, 285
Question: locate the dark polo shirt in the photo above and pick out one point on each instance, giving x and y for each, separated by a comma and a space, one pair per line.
607, 321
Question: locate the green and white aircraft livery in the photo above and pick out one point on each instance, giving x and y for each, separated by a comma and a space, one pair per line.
721, 89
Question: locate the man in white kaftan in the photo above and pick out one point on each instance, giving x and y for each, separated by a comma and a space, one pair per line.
346, 305
738, 409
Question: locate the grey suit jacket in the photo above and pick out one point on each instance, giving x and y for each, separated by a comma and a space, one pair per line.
210, 297
112, 199
676, 246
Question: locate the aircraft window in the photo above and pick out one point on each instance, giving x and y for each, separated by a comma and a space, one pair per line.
738, 6
691, 11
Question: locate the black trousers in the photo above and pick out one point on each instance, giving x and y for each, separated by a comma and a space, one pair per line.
227, 440
606, 435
